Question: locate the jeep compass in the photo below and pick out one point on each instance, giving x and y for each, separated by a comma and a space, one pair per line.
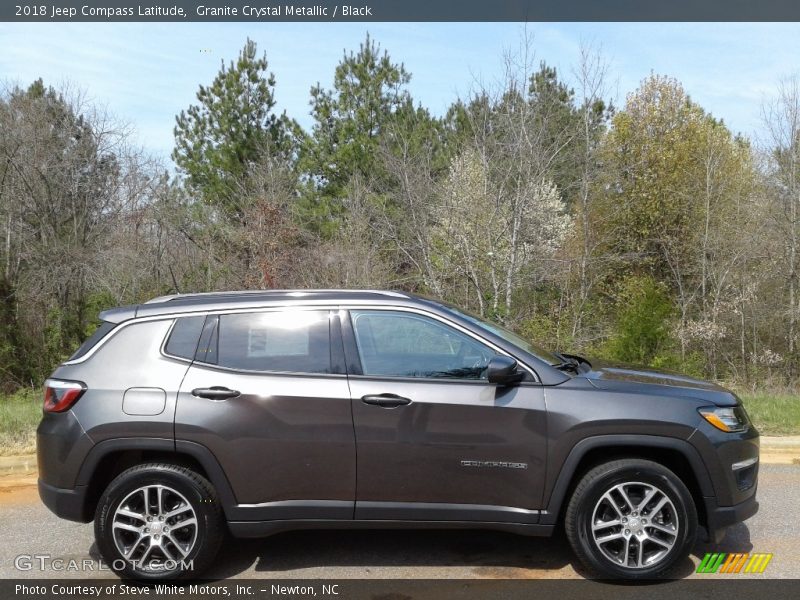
258, 412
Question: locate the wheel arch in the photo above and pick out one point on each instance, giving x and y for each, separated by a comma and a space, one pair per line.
109, 458
676, 454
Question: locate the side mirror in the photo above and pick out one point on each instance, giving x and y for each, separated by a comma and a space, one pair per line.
503, 370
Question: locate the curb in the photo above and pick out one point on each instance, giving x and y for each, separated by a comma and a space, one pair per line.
780, 450
781, 443
23, 463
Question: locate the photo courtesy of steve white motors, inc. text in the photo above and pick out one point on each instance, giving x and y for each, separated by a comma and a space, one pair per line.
248, 11
193, 590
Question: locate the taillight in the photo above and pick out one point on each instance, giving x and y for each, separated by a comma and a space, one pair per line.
61, 395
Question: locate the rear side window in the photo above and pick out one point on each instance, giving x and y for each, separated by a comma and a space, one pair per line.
184, 336
287, 341
102, 331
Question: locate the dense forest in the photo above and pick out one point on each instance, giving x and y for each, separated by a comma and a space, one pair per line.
647, 233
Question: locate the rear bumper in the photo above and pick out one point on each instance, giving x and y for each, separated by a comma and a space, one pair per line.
721, 517
68, 504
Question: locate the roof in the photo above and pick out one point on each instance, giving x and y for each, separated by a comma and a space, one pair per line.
187, 303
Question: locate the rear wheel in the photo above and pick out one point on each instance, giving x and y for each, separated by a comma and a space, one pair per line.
158, 521
631, 519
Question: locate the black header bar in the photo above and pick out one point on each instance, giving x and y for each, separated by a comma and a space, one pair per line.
740, 588
256, 11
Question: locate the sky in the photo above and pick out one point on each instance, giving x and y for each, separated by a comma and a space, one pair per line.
144, 74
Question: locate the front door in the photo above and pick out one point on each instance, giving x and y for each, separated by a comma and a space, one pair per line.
435, 440
269, 398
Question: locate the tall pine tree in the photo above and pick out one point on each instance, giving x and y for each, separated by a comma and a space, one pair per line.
231, 130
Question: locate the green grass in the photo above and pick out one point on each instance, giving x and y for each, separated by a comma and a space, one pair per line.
20, 413
774, 413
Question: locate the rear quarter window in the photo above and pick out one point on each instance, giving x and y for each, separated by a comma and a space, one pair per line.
183, 338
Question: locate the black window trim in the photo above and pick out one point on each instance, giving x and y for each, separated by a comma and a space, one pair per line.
206, 337
353, 360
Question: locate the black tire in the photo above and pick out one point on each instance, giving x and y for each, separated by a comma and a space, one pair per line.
589, 505
185, 490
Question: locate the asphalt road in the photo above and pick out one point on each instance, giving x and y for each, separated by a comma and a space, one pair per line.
29, 529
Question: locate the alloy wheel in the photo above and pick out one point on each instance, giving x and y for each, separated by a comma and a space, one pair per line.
155, 528
635, 525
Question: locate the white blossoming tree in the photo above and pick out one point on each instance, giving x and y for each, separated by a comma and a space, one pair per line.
492, 237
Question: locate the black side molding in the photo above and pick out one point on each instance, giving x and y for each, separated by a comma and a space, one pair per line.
68, 504
259, 529
106, 447
442, 511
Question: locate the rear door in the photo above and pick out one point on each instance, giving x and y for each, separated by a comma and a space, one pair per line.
267, 395
435, 440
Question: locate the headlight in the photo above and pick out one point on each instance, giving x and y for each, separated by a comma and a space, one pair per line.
728, 418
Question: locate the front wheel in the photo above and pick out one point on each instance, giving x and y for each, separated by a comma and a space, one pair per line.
158, 522
631, 519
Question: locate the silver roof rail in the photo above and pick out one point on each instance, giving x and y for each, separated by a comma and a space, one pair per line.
293, 293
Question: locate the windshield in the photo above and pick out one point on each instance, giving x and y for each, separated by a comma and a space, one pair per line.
509, 336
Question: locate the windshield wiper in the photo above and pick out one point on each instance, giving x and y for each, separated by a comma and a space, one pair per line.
570, 363
568, 366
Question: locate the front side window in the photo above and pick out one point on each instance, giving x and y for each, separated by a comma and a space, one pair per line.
399, 344
284, 341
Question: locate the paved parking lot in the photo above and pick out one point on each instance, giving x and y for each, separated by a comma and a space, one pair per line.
28, 528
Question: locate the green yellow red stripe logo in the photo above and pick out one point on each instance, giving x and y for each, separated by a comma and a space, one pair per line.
735, 562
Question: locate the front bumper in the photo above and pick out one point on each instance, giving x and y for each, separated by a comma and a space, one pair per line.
68, 504
719, 518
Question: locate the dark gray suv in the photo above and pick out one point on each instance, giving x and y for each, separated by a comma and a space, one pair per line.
259, 412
